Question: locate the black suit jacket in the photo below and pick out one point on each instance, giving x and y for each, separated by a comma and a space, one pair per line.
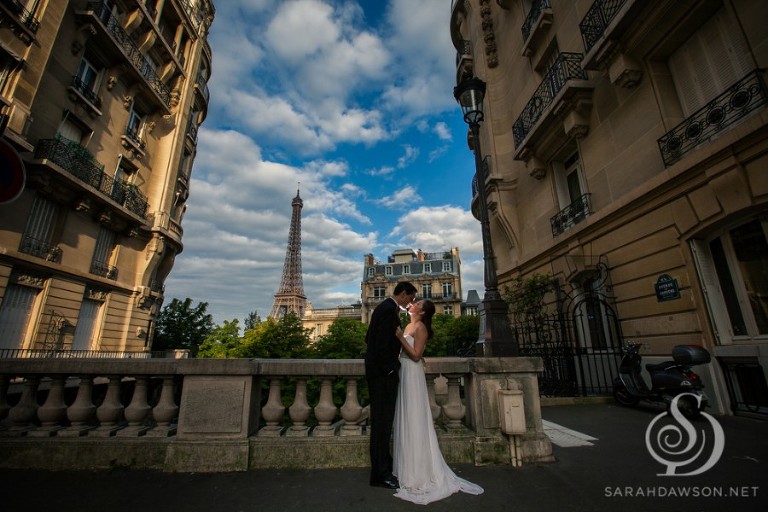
383, 346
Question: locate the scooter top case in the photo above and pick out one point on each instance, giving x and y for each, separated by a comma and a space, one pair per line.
690, 354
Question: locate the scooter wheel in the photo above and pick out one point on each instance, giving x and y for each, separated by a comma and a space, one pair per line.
624, 397
688, 406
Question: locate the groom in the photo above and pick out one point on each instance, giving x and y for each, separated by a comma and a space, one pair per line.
381, 371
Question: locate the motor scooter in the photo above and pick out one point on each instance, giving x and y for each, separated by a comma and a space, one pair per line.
668, 379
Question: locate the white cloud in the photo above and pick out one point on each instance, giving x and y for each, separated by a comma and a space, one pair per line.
411, 153
401, 199
442, 131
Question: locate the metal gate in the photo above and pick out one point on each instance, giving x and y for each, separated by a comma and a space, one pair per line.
577, 334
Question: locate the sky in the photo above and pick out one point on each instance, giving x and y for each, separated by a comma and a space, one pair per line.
350, 102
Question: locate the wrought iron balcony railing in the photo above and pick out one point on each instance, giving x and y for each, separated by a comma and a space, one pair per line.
571, 215
25, 17
40, 248
744, 97
103, 269
566, 67
131, 51
597, 19
80, 163
86, 91
533, 16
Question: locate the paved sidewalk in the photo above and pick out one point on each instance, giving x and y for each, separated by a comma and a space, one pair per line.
597, 477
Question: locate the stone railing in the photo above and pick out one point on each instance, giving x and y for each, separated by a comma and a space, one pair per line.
238, 414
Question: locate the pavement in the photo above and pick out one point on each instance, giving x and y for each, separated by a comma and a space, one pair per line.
603, 464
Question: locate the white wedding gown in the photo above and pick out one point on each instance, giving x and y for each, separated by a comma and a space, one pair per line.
418, 464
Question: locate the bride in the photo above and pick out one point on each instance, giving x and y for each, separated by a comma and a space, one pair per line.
418, 464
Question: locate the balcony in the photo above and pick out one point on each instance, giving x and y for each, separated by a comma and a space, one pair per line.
536, 24
743, 98
78, 162
40, 249
596, 21
117, 39
102, 269
564, 96
231, 414
83, 92
23, 22
571, 215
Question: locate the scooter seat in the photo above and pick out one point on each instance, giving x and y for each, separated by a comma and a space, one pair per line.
660, 366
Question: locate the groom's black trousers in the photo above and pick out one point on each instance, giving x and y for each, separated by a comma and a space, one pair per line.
382, 390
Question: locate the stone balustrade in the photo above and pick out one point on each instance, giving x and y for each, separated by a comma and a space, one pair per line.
238, 414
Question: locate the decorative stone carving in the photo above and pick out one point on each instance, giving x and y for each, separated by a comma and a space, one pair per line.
94, 294
83, 205
127, 101
111, 82
624, 71
488, 36
31, 280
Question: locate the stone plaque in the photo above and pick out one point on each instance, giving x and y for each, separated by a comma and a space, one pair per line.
214, 407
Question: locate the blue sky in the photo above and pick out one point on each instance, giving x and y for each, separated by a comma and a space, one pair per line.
351, 99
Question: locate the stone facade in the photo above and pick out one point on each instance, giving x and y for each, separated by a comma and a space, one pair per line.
103, 101
633, 134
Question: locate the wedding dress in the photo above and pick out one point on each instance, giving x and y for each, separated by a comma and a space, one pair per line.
418, 463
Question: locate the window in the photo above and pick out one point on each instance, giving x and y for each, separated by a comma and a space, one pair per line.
570, 188
102, 254
712, 60
86, 325
426, 291
447, 289
448, 310
70, 130
387, 270
379, 292
135, 126
7, 65
371, 271
427, 268
39, 230
406, 269
739, 259
15, 312
87, 80
447, 266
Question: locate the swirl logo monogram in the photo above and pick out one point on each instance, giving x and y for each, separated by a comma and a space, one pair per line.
684, 448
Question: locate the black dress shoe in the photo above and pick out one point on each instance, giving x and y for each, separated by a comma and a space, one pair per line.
387, 483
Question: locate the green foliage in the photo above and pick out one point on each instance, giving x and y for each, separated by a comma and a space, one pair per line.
179, 325
526, 296
272, 339
452, 335
223, 341
345, 340
252, 320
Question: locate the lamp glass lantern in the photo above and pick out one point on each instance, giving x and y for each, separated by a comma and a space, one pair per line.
470, 94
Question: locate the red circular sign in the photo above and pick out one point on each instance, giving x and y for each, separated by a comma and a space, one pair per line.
12, 175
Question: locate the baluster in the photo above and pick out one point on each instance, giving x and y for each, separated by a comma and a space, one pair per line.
52, 411
137, 411
351, 411
299, 410
4, 407
165, 411
110, 412
325, 410
453, 409
273, 411
82, 411
433, 407
22, 415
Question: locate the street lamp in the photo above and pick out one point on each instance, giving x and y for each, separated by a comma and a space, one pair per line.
495, 335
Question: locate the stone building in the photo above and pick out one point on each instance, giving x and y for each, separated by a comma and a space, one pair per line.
626, 150
436, 276
102, 100
320, 320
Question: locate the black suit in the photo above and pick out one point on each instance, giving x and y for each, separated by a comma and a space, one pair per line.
382, 366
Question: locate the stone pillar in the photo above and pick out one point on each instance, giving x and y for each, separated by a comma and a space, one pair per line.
52, 411
299, 411
137, 411
82, 411
433, 407
22, 415
273, 411
351, 411
110, 412
453, 409
165, 411
325, 410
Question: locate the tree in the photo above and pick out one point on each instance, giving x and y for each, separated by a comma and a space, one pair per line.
252, 320
181, 326
277, 339
223, 341
345, 340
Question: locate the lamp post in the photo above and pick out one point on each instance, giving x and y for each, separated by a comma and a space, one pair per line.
495, 335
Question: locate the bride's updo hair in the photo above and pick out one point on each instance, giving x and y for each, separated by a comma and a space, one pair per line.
428, 308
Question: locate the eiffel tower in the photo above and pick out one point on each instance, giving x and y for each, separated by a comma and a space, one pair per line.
290, 297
